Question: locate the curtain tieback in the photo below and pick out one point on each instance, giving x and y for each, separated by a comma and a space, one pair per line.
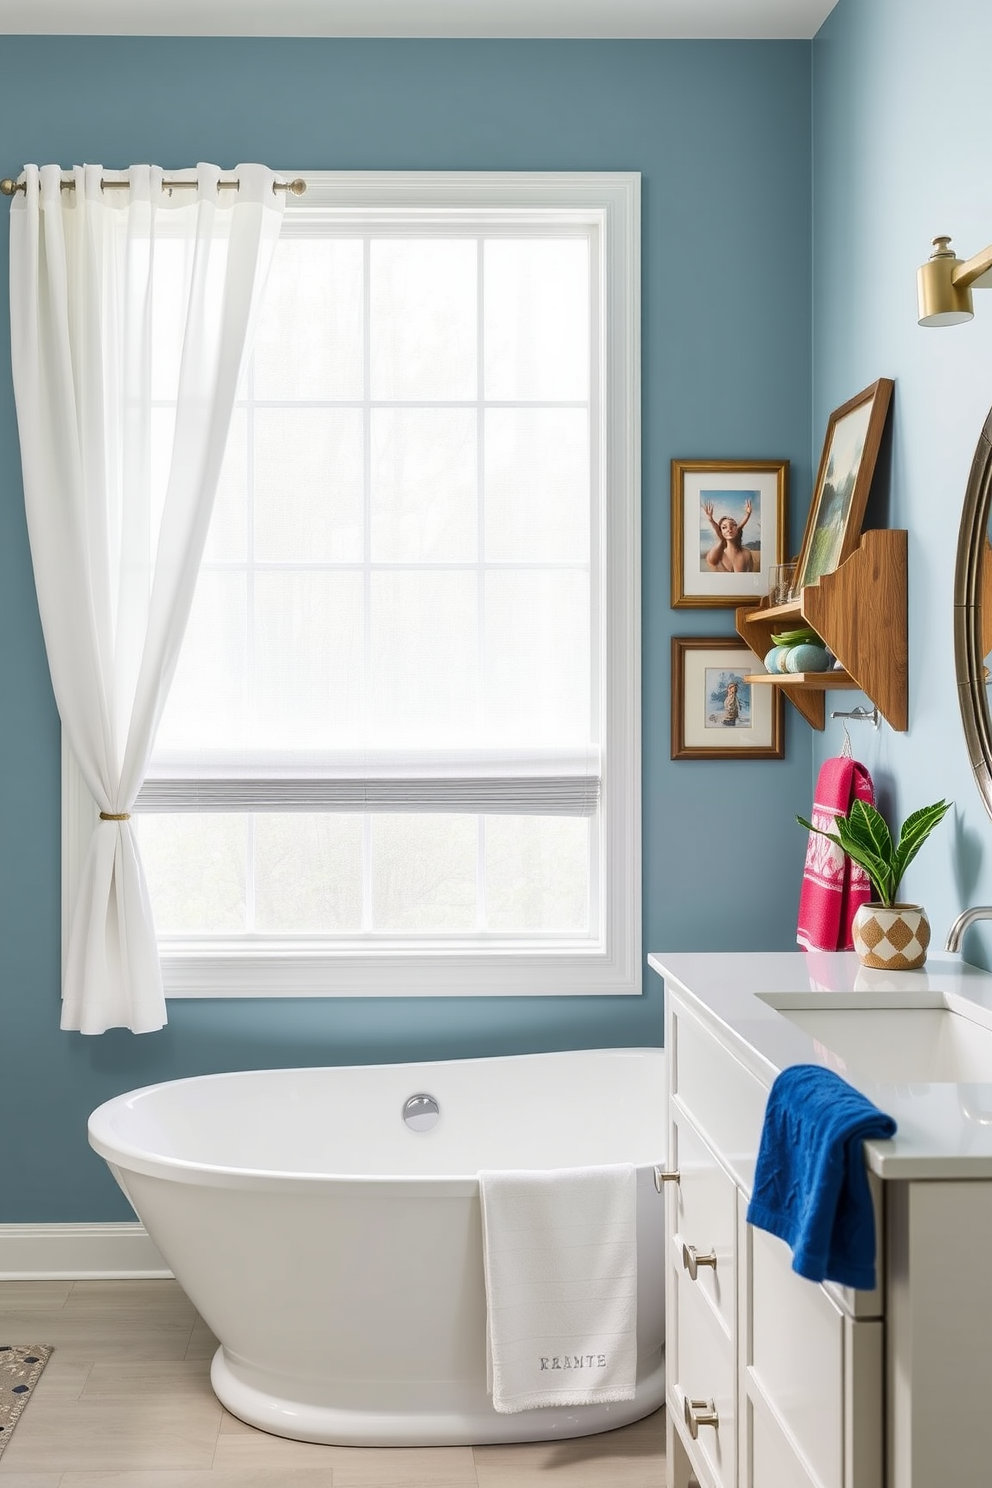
115, 816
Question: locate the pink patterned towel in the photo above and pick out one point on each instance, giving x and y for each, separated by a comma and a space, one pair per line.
833, 887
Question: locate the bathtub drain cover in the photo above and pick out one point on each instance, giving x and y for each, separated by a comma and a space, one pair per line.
421, 1112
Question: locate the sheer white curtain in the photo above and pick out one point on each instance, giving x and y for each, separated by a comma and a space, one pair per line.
131, 313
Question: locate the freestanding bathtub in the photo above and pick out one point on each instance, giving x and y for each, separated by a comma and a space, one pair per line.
336, 1251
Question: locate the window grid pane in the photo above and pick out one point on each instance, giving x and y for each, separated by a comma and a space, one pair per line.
290, 875
531, 449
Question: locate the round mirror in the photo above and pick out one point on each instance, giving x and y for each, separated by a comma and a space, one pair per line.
973, 615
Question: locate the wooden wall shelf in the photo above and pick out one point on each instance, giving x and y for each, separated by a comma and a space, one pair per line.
861, 612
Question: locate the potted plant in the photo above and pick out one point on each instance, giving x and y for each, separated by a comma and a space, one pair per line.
886, 934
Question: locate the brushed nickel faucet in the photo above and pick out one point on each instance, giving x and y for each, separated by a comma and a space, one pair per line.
965, 918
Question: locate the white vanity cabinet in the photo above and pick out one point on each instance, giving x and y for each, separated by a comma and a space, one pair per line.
774, 1381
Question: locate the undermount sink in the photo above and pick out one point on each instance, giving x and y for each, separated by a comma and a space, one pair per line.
896, 1044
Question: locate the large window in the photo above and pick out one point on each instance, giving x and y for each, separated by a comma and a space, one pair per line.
400, 750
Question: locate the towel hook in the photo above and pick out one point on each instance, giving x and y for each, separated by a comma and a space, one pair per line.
860, 715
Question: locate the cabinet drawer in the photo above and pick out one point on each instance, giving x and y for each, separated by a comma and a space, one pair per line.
772, 1462
810, 1365
725, 1101
702, 1368
705, 1221
795, 1354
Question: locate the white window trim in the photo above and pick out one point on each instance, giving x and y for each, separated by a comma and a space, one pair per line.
614, 965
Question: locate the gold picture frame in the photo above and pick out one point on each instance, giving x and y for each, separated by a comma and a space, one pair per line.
752, 494
716, 712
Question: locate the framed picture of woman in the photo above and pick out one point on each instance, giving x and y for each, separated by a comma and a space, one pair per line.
728, 530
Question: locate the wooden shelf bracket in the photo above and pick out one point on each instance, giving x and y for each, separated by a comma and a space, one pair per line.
861, 612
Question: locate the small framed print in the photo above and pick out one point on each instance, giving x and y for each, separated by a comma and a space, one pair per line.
728, 530
716, 712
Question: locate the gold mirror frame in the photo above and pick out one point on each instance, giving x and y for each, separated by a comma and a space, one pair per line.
973, 614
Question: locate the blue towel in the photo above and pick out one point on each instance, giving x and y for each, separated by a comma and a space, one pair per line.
810, 1184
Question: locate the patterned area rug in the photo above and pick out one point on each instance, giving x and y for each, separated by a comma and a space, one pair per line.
20, 1370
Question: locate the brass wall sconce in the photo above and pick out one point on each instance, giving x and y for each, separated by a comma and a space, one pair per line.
944, 284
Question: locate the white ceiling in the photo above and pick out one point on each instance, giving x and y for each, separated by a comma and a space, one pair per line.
758, 19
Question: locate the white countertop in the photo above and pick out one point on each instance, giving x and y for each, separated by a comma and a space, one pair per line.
944, 1126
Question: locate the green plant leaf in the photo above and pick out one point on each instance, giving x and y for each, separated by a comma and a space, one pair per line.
868, 828
832, 836
915, 831
867, 840
804, 823
877, 868
864, 835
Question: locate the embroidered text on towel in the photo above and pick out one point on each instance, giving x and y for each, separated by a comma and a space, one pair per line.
560, 1262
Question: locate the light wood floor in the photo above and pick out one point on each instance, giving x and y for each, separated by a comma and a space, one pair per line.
125, 1402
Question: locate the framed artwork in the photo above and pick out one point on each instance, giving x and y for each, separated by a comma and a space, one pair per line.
847, 464
728, 530
716, 712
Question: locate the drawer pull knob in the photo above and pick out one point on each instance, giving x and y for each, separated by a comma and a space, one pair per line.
661, 1178
700, 1413
692, 1260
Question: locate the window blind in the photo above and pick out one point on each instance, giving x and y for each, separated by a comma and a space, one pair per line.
543, 783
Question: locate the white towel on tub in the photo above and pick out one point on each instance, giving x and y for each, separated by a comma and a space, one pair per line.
560, 1255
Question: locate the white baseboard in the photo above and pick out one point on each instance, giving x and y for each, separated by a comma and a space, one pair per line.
78, 1252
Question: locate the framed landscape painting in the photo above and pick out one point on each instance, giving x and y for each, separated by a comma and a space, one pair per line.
728, 530
847, 464
716, 712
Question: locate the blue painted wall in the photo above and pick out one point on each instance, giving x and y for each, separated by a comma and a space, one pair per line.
721, 134
902, 125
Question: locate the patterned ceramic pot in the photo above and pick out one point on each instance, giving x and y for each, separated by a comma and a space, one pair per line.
893, 938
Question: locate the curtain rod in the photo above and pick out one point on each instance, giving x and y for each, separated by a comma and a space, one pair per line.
8, 186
